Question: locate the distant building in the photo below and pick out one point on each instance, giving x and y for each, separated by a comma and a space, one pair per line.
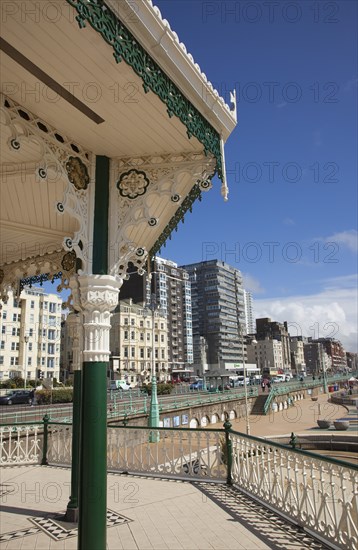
298, 364
30, 335
335, 351
249, 313
218, 311
131, 344
316, 358
267, 354
172, 289
265, 328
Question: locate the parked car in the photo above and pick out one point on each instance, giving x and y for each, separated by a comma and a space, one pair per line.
18, 397
280, 378
198, 385
119, 385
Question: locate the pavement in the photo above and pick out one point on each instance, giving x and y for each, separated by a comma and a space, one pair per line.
143, 514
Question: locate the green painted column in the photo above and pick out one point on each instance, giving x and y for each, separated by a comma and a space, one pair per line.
72, 506
97, 296
93, 464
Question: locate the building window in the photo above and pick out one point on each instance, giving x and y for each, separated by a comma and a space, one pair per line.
32, 304
31, 332
4, 314
1, 359
126, 334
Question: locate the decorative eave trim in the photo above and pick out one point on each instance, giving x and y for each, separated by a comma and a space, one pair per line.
157, 37
127, 48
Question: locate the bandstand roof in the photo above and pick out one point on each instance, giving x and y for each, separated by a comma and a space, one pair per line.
83, 78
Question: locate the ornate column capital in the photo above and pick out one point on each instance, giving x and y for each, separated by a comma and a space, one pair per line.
96, 296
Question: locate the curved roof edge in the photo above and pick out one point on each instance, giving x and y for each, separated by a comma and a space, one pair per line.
155, 34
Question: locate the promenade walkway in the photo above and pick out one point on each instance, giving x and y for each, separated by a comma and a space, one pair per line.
143, 514
300, 418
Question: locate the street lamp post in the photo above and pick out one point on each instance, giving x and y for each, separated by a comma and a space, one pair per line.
26, 339
245, 384
153, 420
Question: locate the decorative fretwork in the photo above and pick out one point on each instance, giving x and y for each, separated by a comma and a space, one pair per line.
56, 155
127, 48
186, 205
36, 270
39, 280
164, 173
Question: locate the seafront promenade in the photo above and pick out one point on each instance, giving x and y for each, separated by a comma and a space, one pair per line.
150, 514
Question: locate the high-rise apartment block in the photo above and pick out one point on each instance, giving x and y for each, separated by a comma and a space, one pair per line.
172, 292
218, 312
30, 335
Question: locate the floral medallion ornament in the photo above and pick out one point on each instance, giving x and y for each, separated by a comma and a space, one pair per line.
133, 184
77, 173
69, 260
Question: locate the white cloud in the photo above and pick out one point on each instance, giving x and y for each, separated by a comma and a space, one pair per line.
289, 221
252, 284
330, 313
345, 238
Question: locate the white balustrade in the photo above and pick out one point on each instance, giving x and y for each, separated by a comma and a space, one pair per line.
178, 453
319, 495
59, 450
20, 444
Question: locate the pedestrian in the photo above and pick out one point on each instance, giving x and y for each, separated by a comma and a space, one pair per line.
263, 386
268, 385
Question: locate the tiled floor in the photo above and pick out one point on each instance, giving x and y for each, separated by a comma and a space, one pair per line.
143, 514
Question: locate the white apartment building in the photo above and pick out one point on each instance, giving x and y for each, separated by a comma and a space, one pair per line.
30, 335
267, 354
249, 313
131, 343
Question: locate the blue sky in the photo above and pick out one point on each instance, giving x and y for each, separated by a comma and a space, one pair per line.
290, 224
